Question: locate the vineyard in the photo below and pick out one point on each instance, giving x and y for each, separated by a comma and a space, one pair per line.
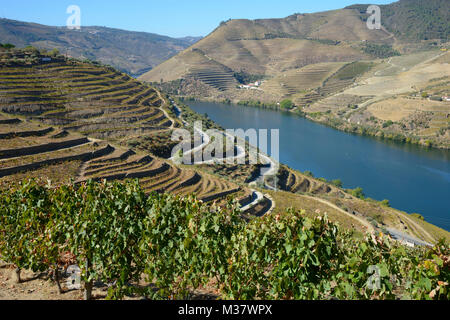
80, 116
118, 235
139, 223
94, 100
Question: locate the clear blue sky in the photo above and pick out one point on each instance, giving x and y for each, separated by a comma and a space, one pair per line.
176, 18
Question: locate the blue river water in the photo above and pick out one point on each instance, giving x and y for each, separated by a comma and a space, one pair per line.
414, 179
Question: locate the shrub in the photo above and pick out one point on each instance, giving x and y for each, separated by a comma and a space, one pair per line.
309, 174
385, 203
337, 183
418, 216
358, 193
7, 46
54, 52
387, 124
118, 233
286, 104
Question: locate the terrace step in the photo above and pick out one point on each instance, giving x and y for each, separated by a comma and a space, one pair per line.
130, 165
24, 134
219, 195
10, 121
19, 152
133, 175
36, 165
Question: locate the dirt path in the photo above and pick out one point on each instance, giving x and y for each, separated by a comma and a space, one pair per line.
424, 234
241, 153
360, 220
172, 126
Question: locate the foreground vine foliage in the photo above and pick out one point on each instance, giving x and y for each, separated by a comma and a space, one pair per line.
118, 235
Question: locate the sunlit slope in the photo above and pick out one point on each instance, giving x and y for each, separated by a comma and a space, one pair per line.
131, 52
64, 119
274, 45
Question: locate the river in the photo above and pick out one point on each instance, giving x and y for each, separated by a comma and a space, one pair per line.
414, 179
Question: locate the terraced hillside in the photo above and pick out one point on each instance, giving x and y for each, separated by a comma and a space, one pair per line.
29, 150
214, 77
306, 78
72, 120
96, 101
48, 152
157, 175
131, 52
296, 182
270, 46
401, 98
61, 120
278, 50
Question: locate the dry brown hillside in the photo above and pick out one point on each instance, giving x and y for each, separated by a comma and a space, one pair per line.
270, 46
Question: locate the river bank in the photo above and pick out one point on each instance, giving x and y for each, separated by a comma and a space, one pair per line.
413, 178
330, 120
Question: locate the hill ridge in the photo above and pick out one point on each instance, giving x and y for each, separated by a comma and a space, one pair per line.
133, 52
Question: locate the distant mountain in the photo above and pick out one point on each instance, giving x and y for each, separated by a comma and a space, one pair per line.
415, 19
191, 40
270, 46
278, 48
131, 52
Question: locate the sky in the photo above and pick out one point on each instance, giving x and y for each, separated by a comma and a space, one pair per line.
175, 18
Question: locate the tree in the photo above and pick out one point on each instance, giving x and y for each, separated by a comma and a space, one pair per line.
386, 203
8, 46
358, 193
388, 124
286, 104
54, 52
337, 183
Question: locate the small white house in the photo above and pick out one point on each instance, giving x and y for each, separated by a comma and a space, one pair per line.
46, 59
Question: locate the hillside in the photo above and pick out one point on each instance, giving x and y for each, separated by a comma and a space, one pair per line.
65, 119
400, 99
332, 67
90, 129
415, 19
273, 49
131, 52
270, 47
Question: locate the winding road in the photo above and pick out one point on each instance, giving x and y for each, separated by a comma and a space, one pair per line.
272, 170
206, 139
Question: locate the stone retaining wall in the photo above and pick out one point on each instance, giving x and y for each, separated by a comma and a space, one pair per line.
219, 195
36, 165
28, 151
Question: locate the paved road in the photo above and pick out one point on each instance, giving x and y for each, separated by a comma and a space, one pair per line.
403, 237
272, 170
